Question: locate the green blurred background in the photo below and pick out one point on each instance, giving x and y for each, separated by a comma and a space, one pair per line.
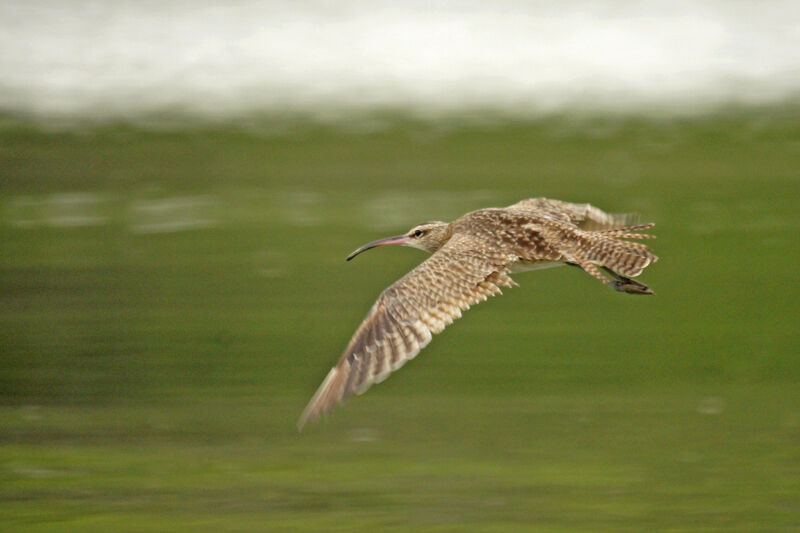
180, 183
169, 300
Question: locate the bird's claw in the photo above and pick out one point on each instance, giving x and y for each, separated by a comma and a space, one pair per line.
630, 286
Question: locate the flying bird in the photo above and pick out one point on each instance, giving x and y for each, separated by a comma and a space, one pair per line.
472, 257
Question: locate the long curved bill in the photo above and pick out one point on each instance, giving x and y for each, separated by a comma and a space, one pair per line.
397, 239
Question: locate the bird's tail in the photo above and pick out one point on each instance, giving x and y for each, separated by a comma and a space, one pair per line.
607, 249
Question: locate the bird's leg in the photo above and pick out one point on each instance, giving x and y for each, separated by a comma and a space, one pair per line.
619, 283
623, 284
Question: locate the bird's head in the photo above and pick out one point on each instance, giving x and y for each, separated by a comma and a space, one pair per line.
428, 236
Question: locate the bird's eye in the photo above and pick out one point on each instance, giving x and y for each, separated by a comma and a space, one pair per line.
418, 233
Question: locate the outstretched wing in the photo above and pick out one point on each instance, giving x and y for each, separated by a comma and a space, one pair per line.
584, 216
406, 315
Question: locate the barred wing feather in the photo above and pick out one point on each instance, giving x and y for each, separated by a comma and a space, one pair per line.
408, 313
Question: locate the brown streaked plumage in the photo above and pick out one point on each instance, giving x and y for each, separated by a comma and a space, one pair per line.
473, 257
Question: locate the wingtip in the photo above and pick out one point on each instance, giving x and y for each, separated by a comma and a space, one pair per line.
320, 403
308, 415
301, 423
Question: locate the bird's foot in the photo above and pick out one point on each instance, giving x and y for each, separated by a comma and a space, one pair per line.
630, 286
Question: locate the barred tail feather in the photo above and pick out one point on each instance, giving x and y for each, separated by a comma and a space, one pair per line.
623, 257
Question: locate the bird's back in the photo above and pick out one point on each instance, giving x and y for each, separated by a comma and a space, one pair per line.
541, 232
584, 216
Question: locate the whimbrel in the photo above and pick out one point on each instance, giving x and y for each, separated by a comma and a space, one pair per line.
472, 257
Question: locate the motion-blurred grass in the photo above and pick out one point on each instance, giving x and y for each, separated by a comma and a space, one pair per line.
169, 300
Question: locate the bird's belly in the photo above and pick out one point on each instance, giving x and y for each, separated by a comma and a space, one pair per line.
525, 266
